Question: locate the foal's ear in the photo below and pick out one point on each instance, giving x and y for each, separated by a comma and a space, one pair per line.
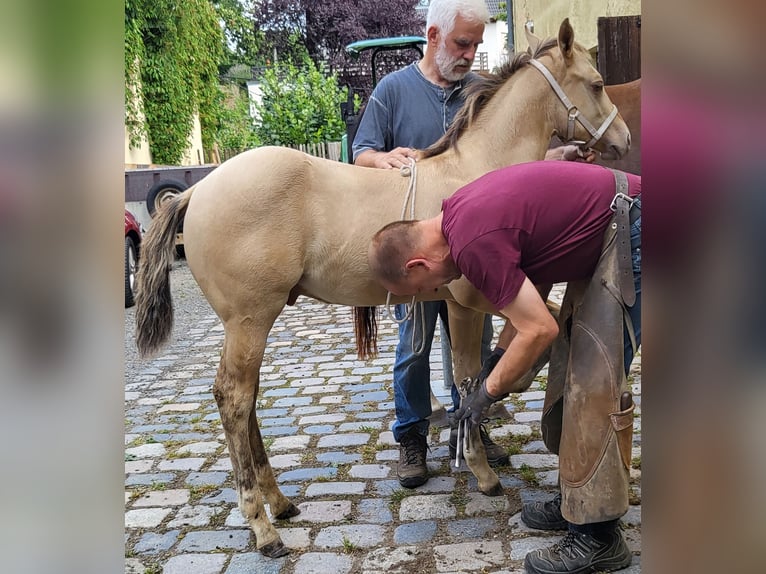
532, 40
566, 39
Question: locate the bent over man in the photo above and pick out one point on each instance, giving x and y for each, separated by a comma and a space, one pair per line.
531, 225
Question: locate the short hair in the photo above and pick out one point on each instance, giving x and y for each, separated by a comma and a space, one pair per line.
442, 13
390, 250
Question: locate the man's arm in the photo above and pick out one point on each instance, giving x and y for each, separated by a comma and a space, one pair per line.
535, 329
570, 153
395, 158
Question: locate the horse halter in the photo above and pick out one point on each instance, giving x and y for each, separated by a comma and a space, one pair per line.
574, 113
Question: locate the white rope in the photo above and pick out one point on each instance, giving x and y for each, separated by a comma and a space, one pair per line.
414, 309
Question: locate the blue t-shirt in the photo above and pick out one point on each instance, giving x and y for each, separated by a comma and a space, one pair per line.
406, 110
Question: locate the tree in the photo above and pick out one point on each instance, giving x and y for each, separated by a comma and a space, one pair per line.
300, 104
172, 52
326, 28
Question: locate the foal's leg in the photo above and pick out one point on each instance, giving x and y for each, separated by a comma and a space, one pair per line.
235, 391
466, 327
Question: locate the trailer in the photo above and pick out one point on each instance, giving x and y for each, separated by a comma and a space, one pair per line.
146, 189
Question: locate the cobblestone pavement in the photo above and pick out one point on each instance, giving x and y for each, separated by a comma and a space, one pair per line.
325, 417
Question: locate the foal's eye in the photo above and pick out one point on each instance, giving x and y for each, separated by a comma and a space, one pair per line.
598, 87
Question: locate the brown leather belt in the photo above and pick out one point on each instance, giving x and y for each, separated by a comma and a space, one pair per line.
621, 205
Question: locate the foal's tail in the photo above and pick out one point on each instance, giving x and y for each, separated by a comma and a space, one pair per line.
366, 331
154, 306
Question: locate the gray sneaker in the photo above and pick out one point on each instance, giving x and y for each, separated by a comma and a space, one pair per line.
412, 470
544, 515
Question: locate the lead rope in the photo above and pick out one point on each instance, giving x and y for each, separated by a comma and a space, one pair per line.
414, 309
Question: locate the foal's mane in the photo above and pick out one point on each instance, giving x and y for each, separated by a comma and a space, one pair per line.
478, 93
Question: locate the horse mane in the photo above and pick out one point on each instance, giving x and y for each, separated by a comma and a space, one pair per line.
478, 93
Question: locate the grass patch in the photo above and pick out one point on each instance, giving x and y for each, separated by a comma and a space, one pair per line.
153, 569
529, 475
197, 492
267, 442
636, 462
459, 499
348, 546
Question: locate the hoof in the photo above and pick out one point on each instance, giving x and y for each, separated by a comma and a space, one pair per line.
494, 490
274, 550
291, 510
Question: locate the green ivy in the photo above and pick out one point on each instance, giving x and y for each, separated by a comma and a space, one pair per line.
172, 52
299, 105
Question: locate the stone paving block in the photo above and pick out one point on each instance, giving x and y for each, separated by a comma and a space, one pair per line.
535, 446
320, 389
322, 419
146, 451
360, 425
295, 538
209, 540
360, 535
134, 566
515, 525
306, 474
426, 506
532, 396
338, 457
179, 408
374, 511
510, 430
387, 438
280, 421
369, 471
280, 392
528, 417
332, 400
146, 517
387, 455
205, 447
173, 497
335, 488
318, 429
437, 484
393, 560
312, 410
343, 440
149, 479
535, 460
132, 466
371, 396
225, 495
548, 478
292, 402
255, 562
470, 527
284, 460
206, 478
153, 543
222, 464
195, 564
632, 538
182, 464
323, 563
198, 515
297, 442
279, 431
633, 516
369, 415
520, 547
320, 512
479, 503
415, 532
469, 556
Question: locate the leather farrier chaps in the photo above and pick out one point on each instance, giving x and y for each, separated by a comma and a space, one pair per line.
583, 420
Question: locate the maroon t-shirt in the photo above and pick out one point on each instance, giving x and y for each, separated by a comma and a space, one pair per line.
544, 220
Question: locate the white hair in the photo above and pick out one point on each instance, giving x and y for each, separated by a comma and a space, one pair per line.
442, 13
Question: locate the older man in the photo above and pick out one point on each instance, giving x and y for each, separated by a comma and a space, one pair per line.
534, 224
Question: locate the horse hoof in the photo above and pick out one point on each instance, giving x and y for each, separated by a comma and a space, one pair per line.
274, 550
291, 510
495, 490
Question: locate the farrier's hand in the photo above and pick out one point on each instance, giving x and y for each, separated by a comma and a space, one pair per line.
571, 153
475, 405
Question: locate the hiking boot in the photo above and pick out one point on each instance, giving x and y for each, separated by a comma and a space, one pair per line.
412, 470
544, 515
578, 553
496, 455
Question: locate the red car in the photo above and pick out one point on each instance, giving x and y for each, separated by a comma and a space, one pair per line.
132, 250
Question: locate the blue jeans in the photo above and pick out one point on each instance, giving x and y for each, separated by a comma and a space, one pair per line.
635, 311
412, 373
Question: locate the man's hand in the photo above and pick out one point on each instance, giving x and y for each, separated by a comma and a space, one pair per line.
571, 153
475, 405
393, 159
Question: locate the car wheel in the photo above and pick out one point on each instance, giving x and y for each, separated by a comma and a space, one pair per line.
161, 192
131, 265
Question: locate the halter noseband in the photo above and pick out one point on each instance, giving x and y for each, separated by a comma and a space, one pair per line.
574, 113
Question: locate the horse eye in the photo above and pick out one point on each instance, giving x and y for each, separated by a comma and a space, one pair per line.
598, 87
